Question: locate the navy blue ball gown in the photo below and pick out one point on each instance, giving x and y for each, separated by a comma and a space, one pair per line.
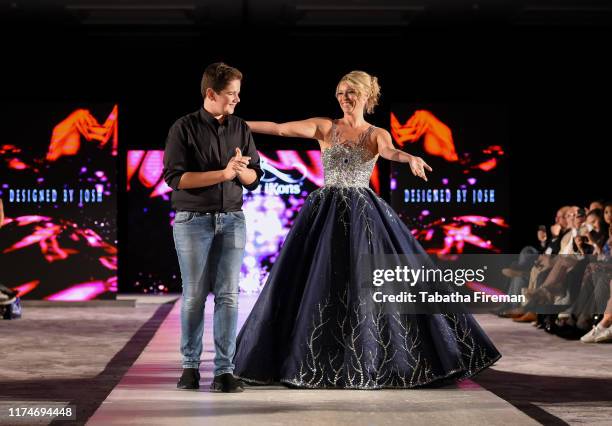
311, 328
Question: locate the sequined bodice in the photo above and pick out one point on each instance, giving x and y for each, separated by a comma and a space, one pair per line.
348, 163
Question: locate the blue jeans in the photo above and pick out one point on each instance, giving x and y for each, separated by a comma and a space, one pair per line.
210, 249
527, 257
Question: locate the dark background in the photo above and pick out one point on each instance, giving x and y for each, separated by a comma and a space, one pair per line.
548, 64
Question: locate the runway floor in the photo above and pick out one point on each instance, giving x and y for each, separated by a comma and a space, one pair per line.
541, 379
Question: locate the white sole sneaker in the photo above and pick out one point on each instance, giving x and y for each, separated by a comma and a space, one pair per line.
591, 335
605, 335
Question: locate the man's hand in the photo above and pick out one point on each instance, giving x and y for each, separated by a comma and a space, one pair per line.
542, 237
236, 165
555, 230
241, 162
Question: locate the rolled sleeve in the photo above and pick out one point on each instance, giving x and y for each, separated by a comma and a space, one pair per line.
175, 156
254, 162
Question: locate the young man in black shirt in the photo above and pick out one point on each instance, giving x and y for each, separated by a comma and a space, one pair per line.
205, 166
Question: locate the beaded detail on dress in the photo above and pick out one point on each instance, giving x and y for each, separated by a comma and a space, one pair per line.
348, 163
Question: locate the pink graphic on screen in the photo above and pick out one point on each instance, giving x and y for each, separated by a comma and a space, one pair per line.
289, 176
60, 240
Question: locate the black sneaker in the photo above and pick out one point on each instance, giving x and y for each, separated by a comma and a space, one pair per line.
226, 383
190, 379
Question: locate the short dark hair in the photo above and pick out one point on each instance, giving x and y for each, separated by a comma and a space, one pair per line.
596, 212
217, 76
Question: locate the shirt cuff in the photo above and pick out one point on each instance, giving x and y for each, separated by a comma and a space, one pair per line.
173, 182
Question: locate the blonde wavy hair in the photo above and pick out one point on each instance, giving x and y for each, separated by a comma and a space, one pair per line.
366, 85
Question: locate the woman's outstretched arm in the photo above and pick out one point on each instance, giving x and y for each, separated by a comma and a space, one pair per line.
311, 128
389, 152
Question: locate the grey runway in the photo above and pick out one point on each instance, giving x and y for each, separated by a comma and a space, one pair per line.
147, 395
119, 365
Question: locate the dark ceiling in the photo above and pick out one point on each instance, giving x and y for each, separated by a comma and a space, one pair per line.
192, 15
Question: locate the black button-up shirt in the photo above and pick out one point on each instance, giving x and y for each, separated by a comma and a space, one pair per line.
197, 142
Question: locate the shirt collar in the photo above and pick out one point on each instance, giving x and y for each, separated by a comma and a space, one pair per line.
207, 117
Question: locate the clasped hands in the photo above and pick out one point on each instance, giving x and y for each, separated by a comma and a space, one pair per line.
236, 165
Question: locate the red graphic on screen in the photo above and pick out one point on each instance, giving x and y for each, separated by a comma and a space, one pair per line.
13, 162
375, 179
17, 164
26, 288
438, 138
9, 149
458, 232
487, 165
66, 136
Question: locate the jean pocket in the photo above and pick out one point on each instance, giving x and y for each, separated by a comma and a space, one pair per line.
238, 226
239, 216
240, 236
183, 217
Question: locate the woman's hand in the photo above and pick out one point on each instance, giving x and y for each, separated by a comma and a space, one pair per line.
418, 167
389, 152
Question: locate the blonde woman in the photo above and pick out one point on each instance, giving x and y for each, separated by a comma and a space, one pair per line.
313, 326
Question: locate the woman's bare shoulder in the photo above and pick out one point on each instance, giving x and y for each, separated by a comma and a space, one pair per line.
323, 123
